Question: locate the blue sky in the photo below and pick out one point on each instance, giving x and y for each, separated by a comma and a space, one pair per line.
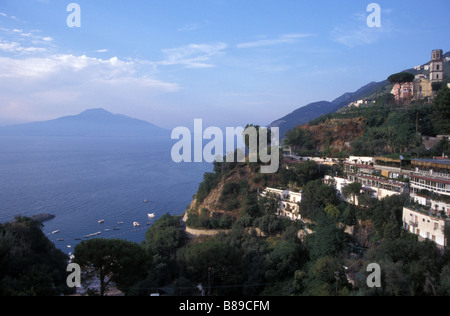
229, 62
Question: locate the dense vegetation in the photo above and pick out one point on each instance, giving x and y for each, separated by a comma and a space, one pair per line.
30, 264
389, 128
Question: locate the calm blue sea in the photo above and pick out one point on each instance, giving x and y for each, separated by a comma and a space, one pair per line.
84, 180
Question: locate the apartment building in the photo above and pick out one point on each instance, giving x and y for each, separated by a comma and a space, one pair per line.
288, 202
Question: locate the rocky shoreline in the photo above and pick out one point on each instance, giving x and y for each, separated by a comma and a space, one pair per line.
43, 217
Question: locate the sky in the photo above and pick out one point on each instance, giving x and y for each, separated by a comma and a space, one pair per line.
228, 62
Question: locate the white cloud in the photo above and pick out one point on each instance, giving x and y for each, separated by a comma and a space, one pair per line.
17, 41
39, 88
193, 55
189, 27
283, 39
15, 47
101, 51
357, 33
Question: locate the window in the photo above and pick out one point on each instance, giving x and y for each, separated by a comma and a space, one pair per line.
436, 226
437, 67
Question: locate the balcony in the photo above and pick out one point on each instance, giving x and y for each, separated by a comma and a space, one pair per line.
413, 224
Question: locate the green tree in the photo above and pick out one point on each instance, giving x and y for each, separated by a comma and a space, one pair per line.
333, 211
214, 263
444, 281
287, 257
317, 196
441, 112
401, 77
352, 190
6, 249
326, 277
327, 240
118, 262
164, 237
30, 264
301, 173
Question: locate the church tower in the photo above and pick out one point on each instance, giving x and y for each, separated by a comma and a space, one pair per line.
436, 66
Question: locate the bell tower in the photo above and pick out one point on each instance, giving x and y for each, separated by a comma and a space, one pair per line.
436, 66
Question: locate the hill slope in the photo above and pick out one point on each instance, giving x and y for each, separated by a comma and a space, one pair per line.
314, 110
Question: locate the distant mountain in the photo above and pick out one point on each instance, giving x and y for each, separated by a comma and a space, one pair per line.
90, 123
314, 110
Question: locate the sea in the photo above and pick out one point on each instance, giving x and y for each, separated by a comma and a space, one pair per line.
95, 187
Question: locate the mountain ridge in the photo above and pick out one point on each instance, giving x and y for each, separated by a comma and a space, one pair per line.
96, 122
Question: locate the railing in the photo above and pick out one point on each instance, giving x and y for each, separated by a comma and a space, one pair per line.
434, 174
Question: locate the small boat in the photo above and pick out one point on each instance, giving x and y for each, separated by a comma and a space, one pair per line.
136, 224
151, 215
55, 232
119, 223
78, 238
101, 221
59, 239
69, 246
116, 228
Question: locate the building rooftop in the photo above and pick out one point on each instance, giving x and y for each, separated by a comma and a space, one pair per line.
430, 178
432, 163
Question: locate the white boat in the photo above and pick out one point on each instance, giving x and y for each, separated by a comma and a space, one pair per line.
55, 232
151, 215
101, 221
136, 224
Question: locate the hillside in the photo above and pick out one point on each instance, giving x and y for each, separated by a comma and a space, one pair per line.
331, 134
378, 129
90, 123
314, 110
225, 193
370, 91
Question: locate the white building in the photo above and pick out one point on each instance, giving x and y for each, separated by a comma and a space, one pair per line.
338, 183
380, 187
288, 202
432, 175
426, 225
434, 204
360, 160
